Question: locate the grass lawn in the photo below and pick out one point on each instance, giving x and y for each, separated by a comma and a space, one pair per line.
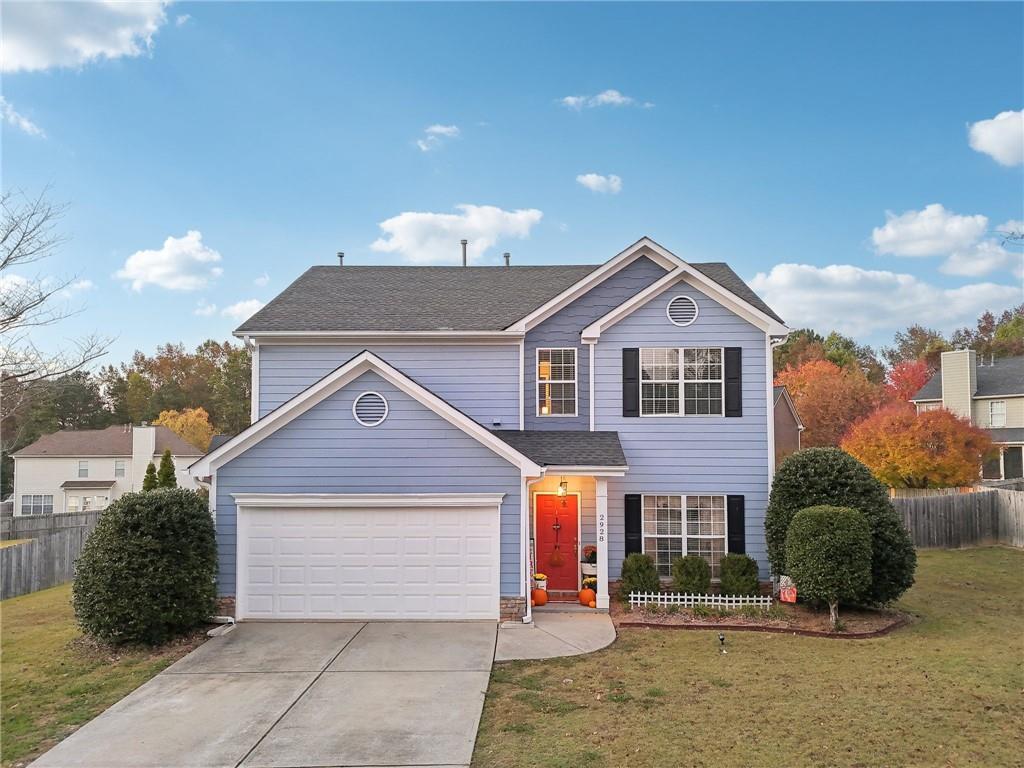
52, 680
946, 691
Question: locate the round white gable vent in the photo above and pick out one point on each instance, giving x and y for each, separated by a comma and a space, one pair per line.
682, 310
370, 409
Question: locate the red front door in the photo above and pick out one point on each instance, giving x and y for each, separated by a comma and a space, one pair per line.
557, 535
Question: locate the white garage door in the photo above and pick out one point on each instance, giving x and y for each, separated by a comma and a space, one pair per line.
368, 563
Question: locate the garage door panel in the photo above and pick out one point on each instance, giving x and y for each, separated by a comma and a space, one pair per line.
369, 564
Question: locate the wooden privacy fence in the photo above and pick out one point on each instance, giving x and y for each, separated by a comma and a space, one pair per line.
48, 559
964, 520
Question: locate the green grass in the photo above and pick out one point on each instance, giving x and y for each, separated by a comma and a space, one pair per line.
946, 691
53, 681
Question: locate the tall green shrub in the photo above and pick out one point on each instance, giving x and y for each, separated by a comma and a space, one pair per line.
829, 476
691, 574
165, 477
738, 575
149, 481
639, 574
146, 573
828, 554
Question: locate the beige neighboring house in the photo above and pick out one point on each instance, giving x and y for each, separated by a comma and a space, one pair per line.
989, 392
77, 470
787, 425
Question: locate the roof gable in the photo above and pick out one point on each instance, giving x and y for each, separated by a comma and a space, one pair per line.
112, 441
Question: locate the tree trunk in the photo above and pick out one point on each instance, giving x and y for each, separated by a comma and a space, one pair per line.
833, 614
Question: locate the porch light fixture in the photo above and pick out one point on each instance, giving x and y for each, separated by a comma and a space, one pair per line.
563, 487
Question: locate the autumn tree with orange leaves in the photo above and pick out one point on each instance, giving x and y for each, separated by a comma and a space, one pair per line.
191, 424
829, 399
905, 379
904, 449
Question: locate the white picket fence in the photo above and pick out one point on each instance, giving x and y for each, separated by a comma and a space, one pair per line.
686, 600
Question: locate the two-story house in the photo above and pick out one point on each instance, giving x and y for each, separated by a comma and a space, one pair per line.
990, 394
424, 439
80, 470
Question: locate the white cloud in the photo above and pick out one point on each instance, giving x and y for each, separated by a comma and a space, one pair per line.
38, 36
182, 20
182, 264
595, 182
426, 238
984, 257
929, 232
18, 120
860, 302
434, 136
262, 280
204, 309
76, 287
607, 98
1001, 138
243, 310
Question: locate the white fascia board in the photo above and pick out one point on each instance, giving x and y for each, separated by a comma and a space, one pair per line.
365, 500
377, 338
713, 290
642, 247
994, 397
927, 400
362, 363
595, 471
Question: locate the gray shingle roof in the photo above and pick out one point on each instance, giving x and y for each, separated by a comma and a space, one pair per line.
1007, 435
112, 441
567, 447
358, 298
86, 484
1006, 377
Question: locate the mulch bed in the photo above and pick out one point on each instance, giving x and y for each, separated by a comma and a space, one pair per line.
799, 619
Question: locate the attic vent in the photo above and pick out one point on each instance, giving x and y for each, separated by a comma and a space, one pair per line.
682, 310
370, 409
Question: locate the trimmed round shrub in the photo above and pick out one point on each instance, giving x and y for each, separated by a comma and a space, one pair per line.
146, 573
829, 476
738, 574
828, 554
691, 574
639, 574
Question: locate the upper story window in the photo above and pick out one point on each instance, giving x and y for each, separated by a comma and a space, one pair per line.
119, 467
997, 413
556, 382
83, 469
688, 381
37, 504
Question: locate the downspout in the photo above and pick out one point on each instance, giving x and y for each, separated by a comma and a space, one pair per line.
525, 528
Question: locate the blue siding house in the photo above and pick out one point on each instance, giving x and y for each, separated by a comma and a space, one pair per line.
425, 439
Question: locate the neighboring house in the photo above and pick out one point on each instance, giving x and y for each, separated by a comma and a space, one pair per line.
78, 470
425, 438
787, 425
988, 393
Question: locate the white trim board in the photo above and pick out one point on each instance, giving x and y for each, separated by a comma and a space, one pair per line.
365, 500
334, 381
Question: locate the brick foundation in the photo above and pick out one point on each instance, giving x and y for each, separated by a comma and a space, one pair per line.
512, 608
225, 606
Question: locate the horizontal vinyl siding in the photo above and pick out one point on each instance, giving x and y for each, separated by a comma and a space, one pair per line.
326, 451
563, 330
481, 380
675, 454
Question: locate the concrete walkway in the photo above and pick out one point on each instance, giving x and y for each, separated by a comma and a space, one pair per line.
554, 634
281, 695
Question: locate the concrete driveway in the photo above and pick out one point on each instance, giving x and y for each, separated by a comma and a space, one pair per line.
285, 695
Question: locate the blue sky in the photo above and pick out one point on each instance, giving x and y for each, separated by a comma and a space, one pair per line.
855, 163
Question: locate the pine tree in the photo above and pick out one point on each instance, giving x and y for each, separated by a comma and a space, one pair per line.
165, 475
149, 482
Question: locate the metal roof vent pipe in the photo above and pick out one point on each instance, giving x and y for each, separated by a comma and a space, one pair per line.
465, 262
508, 259
341, 258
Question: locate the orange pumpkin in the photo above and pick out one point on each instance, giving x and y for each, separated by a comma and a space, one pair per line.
592, 604
540, 597
587, 596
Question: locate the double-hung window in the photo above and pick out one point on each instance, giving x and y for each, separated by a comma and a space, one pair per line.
688, 381
37, 504
677, 525
997, 413
83, 469
556, 382
119, 467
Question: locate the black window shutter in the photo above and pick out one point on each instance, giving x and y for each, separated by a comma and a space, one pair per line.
631, 382
634, 525
737, 543
733, 381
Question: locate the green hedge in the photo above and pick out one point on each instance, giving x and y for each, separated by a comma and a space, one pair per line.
829, 476
146, 573
691, 574
738, 575
639, 574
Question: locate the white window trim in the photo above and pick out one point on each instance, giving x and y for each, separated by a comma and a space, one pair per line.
123, 467
574, 381
991, 421
387, 409
668, 310
42, 494
82, 463
682, 390
725, 515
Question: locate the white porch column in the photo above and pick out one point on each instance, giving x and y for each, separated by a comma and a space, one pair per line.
602, 542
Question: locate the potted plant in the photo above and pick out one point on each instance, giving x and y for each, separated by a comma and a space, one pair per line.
539, 595
588, 595
540, 581
588, 565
